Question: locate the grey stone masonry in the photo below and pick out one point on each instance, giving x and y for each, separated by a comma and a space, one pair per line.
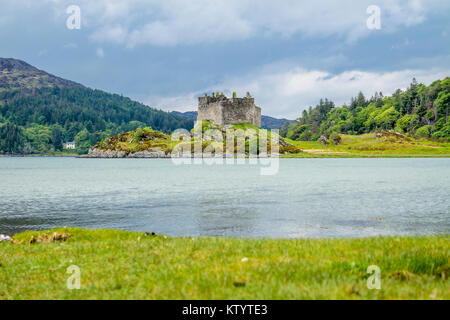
223, 110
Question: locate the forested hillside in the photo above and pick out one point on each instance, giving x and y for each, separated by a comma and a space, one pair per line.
39, 112
420, 110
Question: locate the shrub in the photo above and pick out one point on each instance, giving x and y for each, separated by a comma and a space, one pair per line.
138, 134
443, 133
300, 133
407, 123
336, 138
290, 149
424, 132
387, 119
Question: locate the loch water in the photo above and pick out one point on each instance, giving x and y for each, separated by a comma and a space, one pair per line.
307, 198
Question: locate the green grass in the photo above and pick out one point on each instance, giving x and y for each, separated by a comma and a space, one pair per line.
367, 146
131, 265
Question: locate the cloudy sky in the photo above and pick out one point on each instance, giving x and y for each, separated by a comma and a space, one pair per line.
287, 53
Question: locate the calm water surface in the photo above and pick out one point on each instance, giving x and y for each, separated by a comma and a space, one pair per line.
307, 198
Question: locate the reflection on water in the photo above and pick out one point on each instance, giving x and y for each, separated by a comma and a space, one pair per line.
307, 198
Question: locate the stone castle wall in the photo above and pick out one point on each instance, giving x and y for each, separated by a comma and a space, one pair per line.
223, 110
212, 111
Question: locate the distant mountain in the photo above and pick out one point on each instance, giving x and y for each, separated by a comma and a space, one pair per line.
189, 114
39, 112
273, 123
266, 121
19, 74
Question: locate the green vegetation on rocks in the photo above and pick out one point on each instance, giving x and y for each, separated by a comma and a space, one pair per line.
141, 139
149, 140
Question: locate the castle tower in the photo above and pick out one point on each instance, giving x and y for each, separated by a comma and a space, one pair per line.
223, 110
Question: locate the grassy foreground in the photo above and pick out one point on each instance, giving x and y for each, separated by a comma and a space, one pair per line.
131, 265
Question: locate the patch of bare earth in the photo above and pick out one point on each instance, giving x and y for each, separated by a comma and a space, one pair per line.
323, 151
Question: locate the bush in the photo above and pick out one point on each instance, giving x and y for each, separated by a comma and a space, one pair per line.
300, 133
407, 123
336, 138
424, 132
443, 133
138, 134
387, 119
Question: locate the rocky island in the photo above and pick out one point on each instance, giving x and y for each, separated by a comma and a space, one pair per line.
216, 113
149, 143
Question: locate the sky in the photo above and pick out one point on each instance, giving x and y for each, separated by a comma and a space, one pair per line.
288, 53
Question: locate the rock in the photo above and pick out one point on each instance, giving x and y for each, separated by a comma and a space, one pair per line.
386, 134
152, 153
283, 143
324, 139
180, 155
98, 153
48, 238
4, 238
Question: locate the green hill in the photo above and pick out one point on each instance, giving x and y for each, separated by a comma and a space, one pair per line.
39, 112
421, 111
17, 74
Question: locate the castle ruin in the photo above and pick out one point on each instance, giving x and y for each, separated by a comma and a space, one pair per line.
223, 110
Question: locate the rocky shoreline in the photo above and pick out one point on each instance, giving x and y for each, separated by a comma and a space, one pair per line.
96, 153
108, 154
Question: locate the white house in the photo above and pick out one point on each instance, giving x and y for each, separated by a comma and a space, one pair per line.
70, 145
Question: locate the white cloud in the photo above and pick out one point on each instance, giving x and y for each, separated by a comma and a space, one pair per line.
172, 22
182, 103
287, 91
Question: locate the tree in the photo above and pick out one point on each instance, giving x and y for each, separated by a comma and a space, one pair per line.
408, 123
443, 105
405, 111
361, 100
387, 119
74, 109
57, 138
11, 139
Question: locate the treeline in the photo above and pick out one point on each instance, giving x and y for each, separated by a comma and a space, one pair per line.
421, 110
41, 120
